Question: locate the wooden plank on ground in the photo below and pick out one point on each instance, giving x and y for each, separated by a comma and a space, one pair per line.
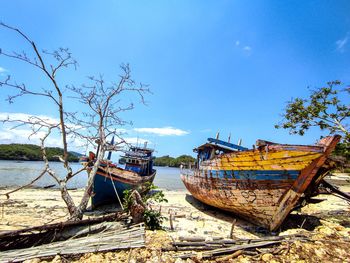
122, 238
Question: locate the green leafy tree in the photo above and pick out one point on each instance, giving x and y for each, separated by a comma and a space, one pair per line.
185, 159
326, 108
173, 162
32, 152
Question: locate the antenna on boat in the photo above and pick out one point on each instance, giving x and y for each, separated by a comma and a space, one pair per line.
229, 138
239, 142
217, 135
145, 144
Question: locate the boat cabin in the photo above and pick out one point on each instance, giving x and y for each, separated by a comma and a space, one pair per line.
215, 147
139, 160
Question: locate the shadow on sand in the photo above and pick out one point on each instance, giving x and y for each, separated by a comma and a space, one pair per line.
307, 222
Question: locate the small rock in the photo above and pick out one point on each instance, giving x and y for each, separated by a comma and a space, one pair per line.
339, 228
34, 260
326, 230
267, 257
320, 252
208, 238
57, 259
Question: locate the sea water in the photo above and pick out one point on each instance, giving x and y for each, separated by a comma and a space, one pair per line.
17, 173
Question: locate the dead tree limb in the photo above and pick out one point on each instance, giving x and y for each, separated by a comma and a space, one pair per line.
103, 102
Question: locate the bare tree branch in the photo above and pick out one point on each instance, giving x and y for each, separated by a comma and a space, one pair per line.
102, 103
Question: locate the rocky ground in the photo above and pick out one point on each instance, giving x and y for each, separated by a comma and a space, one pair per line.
325, 223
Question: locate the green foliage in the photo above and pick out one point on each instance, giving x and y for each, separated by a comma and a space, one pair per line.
340, 157
127, 201
30, 152
342, 149
324, 109
153, 219
153, 194
173, 162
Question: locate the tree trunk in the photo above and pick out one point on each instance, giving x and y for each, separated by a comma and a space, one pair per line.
69, 202
88, 190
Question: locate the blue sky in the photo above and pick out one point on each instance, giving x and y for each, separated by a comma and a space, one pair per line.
227, 66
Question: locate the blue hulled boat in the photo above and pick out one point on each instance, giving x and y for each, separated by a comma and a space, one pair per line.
111, 181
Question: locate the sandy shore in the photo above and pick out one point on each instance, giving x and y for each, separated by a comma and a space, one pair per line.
331, 217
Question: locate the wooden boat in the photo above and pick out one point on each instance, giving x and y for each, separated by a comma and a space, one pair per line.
111, 181
262, 184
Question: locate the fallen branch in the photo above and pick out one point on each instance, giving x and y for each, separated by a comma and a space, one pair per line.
221, 251
335, 191
234, 255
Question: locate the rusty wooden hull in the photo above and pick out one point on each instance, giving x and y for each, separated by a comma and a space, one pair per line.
262, 186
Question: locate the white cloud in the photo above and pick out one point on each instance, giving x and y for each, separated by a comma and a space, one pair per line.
121, 131
135, 140
341, 43
165, 131
34, 119
27, 117
3, 71
247, 48
24, 134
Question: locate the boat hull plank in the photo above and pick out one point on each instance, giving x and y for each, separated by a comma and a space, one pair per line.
261, 185
110, 182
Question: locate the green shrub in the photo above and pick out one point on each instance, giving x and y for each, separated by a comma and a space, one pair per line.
153, 219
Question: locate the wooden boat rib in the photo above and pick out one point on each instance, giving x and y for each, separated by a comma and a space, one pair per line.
261, 185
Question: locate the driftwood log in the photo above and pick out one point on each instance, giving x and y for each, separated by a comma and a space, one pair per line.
38, 235
231, 249
220, 247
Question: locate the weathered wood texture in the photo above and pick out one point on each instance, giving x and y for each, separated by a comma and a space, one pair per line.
125, 176
231, 249
226, 246
262, 185
120, 238
61, 225
39, 235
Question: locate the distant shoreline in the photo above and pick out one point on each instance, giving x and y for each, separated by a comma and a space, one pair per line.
32, 152
34, 160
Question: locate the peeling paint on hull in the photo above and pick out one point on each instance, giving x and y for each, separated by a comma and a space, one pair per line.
260, 186
105, 192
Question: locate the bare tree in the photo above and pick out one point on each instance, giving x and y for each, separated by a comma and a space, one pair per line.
98, 122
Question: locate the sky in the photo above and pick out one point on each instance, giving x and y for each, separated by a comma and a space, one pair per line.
212, 66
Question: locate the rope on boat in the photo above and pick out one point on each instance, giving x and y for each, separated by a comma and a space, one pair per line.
115, 190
